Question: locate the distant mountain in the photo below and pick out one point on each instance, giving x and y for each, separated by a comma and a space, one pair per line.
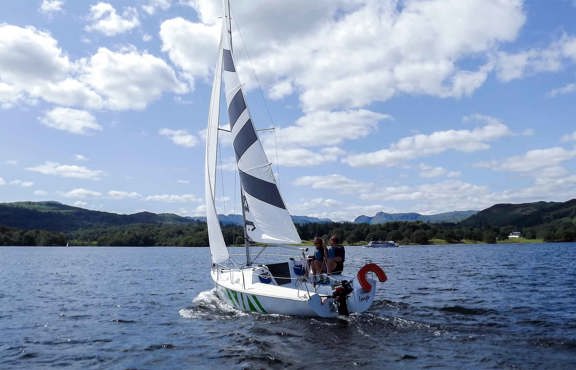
300, 220
523, 215
55, 216
382, 217
237, 219
454, 217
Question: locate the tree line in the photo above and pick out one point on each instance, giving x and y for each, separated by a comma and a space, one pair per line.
196, 234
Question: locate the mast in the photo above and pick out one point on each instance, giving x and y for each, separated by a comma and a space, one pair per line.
228, 22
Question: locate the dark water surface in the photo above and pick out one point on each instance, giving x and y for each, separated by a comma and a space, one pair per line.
461, 307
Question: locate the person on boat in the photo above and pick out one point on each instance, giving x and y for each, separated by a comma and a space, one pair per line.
336, 255
319, 258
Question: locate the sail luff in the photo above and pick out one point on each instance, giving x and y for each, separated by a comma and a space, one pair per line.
218, 249
266, 217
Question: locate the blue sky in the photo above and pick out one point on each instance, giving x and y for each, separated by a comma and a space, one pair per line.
398, 106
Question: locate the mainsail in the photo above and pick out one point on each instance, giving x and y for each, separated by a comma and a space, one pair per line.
267, 219
218, 248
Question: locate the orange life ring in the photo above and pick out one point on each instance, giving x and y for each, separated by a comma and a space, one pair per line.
370, 267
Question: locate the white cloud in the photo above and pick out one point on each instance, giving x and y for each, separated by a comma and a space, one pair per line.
569, 137
34, 67
179, 137
104, 19
129, 79
320, 207
71, 120
422, 145
80, 204
51, 6
301, 157
29, 56
511, 66
430, 171
545, 188
24, 184
153, 5
449, 195
80, 157
281, 90
65, 170
411, 47
21, 183
115, 194
414, 47
324, 128
80, 193
173, 198
535, 162
335, 182
67, 92
9, 95
190, 46
564, 90
40, 193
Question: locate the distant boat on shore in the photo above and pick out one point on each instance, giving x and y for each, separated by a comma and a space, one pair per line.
382, 244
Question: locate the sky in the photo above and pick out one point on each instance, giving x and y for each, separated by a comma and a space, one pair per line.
422, 106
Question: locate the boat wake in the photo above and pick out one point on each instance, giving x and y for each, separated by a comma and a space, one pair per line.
207, 305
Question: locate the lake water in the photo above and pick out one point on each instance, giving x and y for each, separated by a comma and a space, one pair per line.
461, 307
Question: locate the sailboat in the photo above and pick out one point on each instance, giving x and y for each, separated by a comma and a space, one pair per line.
285, 287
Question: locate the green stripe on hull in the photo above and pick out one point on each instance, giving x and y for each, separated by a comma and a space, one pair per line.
258, 304
252, 308
243, 301
230, 297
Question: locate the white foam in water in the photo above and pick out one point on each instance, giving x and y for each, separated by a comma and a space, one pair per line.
208, 303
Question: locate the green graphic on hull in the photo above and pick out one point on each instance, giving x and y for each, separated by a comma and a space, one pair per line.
243, 301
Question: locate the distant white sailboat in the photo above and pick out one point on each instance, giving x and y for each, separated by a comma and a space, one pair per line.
382, 244
285, 287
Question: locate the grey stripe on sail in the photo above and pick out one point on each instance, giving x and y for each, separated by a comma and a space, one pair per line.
265, 191
244, 139
228, 62
236, 107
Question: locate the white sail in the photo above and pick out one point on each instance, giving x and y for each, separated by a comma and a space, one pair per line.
218, 248
267, 219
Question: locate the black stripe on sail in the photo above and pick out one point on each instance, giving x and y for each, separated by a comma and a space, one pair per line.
236, 107
262, 190
244, 139
227, 60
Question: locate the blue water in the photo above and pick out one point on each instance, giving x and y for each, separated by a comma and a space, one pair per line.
460, 307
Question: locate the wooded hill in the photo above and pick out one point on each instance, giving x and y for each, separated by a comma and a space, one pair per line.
52, 223
54, 216
524, 215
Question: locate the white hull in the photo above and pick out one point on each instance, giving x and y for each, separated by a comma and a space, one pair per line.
379, 244
242, 289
